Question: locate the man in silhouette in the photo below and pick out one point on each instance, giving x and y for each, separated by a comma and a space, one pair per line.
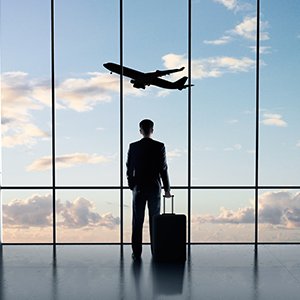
146, 166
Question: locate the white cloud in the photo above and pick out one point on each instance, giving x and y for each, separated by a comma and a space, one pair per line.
36, 211
273, 120
278, 208
172, 154
23, 134
237, 147
172, 61
247, 29
298, 145
22, 94
65, 161
163, 93
234, 4
244, 215
273, 116
78, 214
250, 151
230, 4
262, 50
82, 94
215, 67
209, 67
223, 40
233, 121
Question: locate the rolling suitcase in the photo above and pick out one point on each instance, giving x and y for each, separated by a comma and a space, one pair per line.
169, 237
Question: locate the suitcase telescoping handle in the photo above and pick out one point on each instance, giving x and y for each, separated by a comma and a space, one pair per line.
172, 204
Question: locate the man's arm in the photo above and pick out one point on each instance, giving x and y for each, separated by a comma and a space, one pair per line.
129, 172
164, 173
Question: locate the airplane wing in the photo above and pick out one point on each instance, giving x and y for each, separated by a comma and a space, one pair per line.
159, 73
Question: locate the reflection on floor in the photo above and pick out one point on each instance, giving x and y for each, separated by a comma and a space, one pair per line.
108, 272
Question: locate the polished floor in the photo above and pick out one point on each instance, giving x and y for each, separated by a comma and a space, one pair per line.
107, 272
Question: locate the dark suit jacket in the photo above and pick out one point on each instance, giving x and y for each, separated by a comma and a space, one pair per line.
147, 165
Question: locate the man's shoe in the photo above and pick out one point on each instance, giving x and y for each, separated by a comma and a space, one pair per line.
135, 258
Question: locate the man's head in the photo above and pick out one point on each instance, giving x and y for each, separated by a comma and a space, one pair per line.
146, 127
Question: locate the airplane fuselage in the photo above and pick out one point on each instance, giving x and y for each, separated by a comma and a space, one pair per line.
141, 80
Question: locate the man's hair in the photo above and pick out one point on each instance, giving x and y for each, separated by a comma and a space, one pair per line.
146, 127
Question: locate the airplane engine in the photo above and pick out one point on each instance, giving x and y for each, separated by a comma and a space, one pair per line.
137, 85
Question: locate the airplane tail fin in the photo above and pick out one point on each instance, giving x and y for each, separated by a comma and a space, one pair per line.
181, 83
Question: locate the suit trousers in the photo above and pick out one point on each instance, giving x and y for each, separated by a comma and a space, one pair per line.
139, 199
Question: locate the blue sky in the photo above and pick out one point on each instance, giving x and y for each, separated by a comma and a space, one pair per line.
155, 37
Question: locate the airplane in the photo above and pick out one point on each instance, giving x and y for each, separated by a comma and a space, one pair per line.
141, 80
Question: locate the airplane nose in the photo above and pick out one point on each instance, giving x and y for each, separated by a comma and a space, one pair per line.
108, 66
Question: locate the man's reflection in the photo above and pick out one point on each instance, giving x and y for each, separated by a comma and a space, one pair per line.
167, 278
255, 276
136, 269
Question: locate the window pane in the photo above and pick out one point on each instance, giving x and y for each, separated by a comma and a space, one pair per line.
25, 91
223, 98
222, 216
279, 216
180, 207
280, 92
88, 216
27, 216
155, 37
87, 36
127, 217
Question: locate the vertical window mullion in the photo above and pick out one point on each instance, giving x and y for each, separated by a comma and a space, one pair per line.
257, 122
121, 122
53, 122
189, 115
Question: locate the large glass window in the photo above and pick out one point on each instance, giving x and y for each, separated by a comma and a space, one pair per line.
280, 93
25, 92
87, 216
240, 101
179, 207
27, 216
159, 38
223, 98
279, 216
223, 215
87, 109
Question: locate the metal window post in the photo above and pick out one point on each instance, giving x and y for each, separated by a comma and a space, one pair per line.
121, 123
189, 115
53, 122
257, 122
